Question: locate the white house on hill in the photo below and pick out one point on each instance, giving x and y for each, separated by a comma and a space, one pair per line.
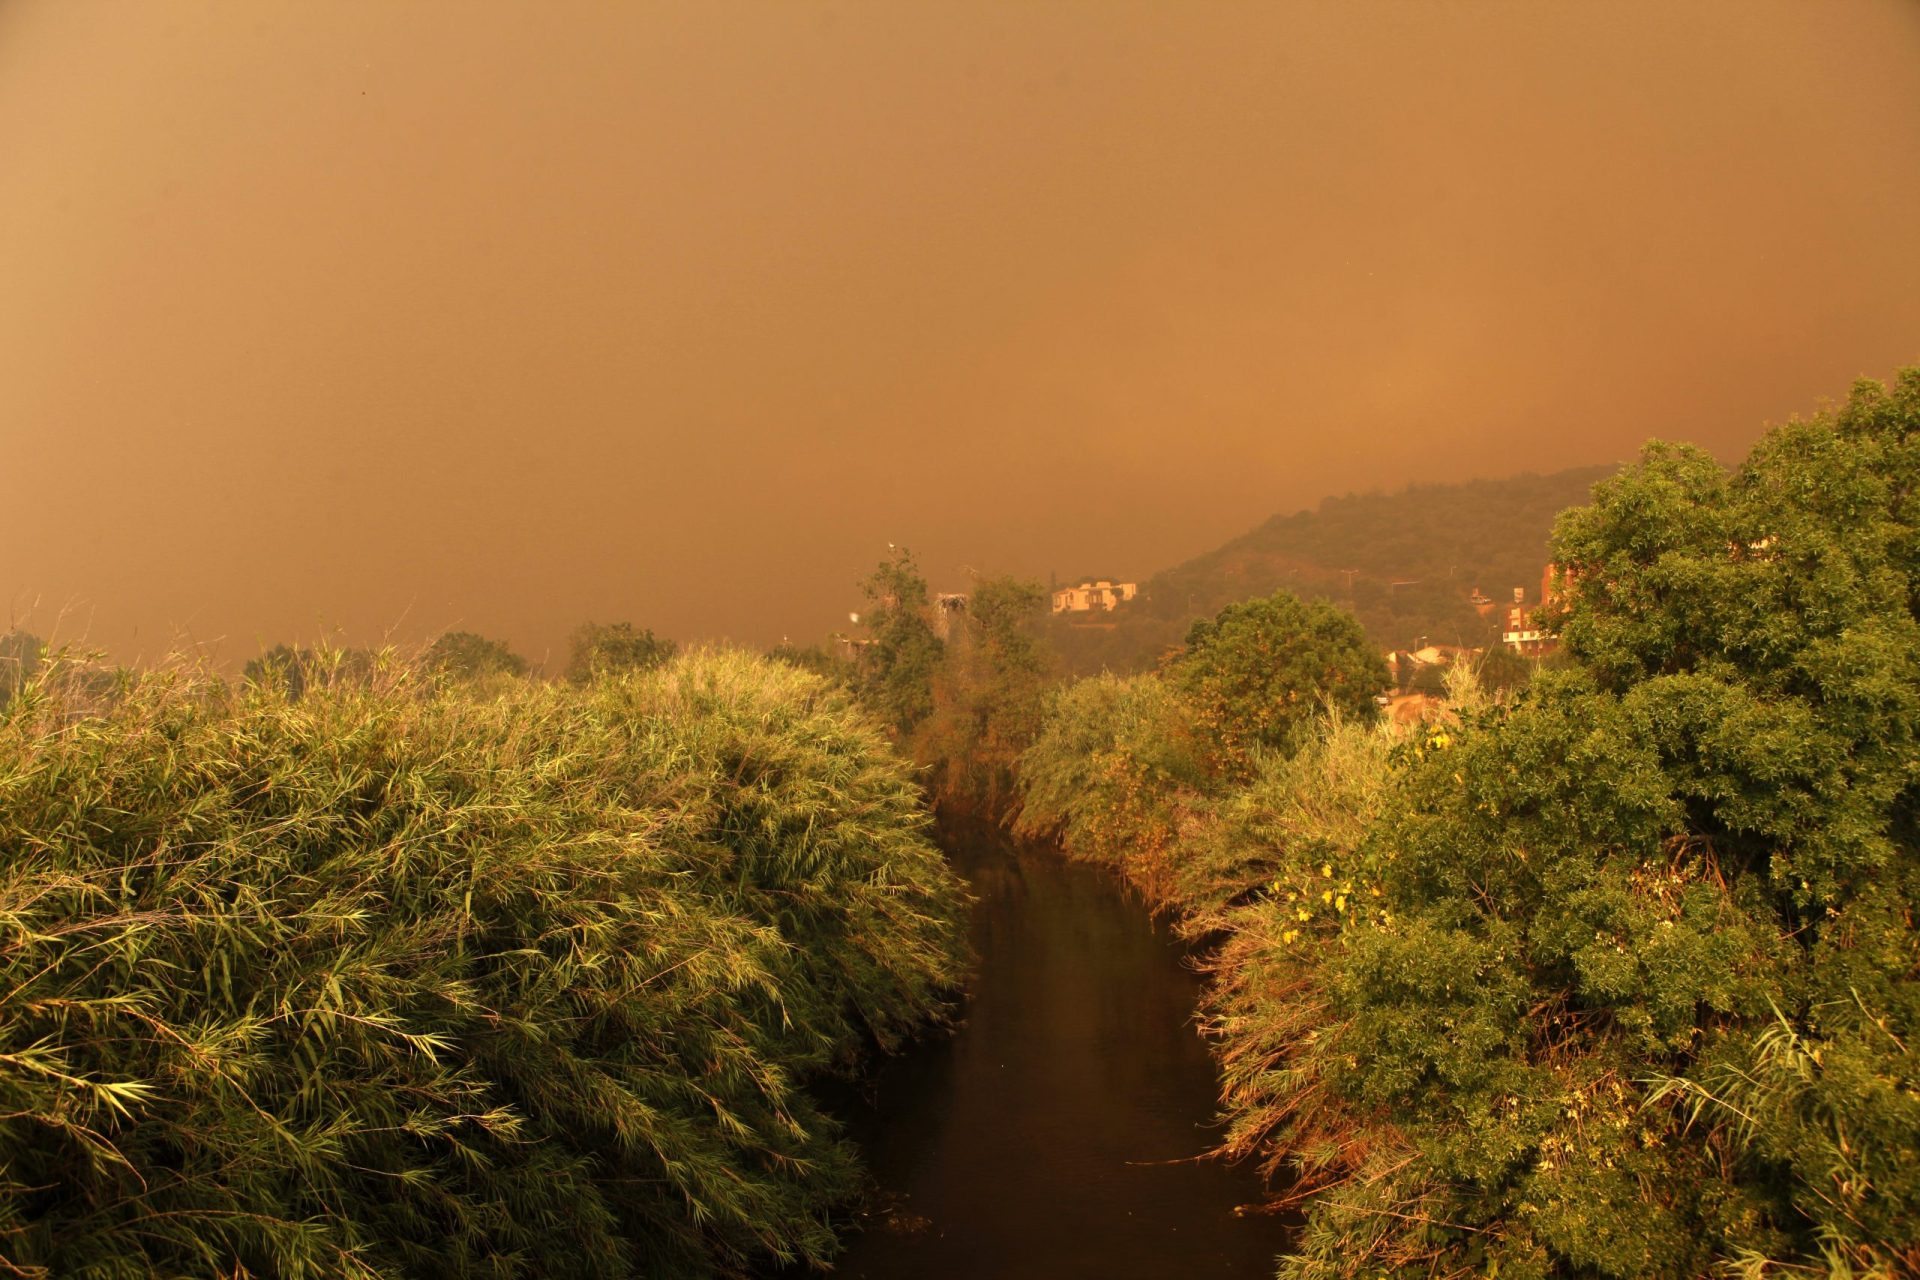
1101, 594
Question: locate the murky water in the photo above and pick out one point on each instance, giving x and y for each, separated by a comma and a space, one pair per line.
1055, 1134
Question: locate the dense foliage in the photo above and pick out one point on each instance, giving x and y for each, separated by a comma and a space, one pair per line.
1114, 774
1618, 977
400, 981
961, 684
597, 649
470, 656
1259, 674
1124, 769
894, 672
989, 691
1680, 877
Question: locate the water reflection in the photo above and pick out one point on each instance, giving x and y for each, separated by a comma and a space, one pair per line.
1054, 1135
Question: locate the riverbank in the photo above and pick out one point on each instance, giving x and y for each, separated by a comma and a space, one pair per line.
1611, 978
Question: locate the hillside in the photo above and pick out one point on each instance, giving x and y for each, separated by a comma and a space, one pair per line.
1405, 562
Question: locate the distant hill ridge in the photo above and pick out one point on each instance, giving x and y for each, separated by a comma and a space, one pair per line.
1405, 562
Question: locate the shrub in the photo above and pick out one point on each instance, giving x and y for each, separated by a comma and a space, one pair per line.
1114, 776
597, 649
1279, 881
1259, 673
466, 655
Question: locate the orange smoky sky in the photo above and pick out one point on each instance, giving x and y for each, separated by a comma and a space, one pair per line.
372, 319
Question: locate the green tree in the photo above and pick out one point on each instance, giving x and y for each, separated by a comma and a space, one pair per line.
1260, 673
897, 662
597, 649
989, 694
1006, 619
1429, 679
1642, 995
471, 657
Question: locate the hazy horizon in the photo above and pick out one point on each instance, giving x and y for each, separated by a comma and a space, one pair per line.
381, 320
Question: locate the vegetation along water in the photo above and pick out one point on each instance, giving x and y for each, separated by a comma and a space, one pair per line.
1616, 976
411, 977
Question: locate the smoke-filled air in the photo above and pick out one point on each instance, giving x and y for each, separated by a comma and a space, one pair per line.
937, 641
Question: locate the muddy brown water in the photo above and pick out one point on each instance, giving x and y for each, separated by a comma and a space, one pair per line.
1056, 1133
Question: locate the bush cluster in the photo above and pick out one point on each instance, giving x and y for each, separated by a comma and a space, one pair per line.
1128, 770
407, 979
1116, 775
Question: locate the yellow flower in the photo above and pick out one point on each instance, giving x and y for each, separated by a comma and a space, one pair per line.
1327, 896
1340, 903
1304, 914
1326, 869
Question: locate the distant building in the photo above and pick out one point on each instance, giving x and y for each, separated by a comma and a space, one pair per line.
1094, 595
1524, 633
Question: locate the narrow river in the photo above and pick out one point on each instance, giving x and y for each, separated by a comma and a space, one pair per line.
1054, 1135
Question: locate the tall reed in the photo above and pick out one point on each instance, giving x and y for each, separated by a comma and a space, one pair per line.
402, 979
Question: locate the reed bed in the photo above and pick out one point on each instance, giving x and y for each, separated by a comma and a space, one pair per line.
404, 978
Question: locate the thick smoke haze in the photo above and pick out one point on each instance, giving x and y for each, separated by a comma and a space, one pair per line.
383, 318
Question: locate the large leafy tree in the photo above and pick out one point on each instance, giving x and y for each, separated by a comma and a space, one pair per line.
989, 693
469, 656
605, 648
897, 662
1638, 996
1260, 673
1013, 664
